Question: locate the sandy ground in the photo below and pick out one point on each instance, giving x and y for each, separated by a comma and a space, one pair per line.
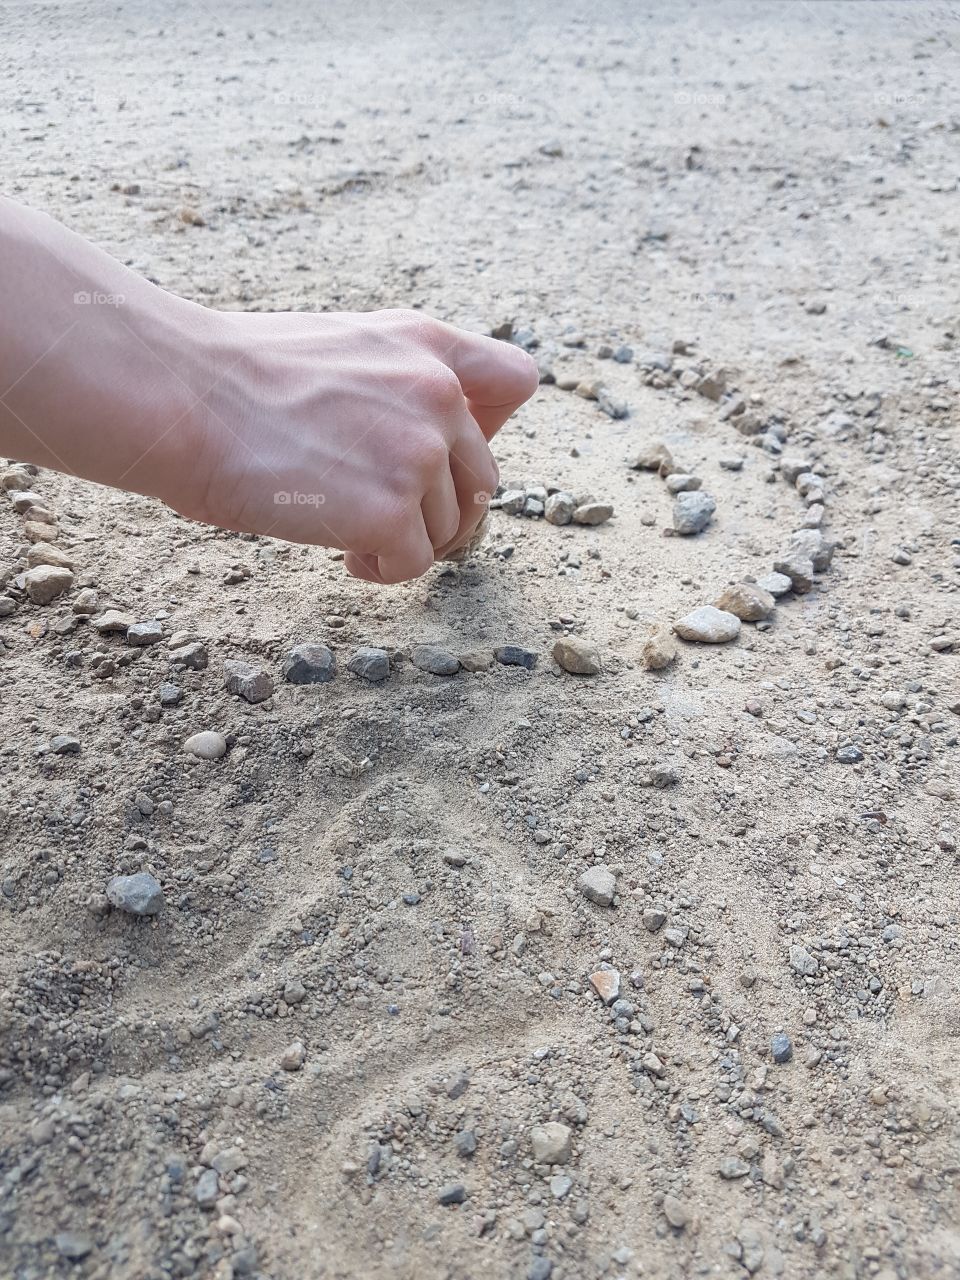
389, 875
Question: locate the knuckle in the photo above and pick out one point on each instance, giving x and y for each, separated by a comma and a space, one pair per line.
440, 390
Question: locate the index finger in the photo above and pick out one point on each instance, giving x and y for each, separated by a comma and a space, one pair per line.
496, 377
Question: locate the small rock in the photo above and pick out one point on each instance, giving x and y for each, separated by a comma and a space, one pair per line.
452, 1193
692, 512
47, 581
733, 1167
308, 663
849, 754
513, 655
476, 661
170, 695
65, 744
143, 633
577, 656
654, 919
778, 584
593, 513
512, 501
370, 664
652, 457
559, 508
551, 1142
73, 1245
465, 1142
781, 1047
208, 744
293, 1056
659, 649
802, 961
708, 625
675, 1212
747, 601
44, 553
436, 660
192, 656
680, 483
731, 462
207, 1189
7, 606
797, 569
599, 885
112, 620
139, 894
250, 682
606, 983
294, 992
792, 466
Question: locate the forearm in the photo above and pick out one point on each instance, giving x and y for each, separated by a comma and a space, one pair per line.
93, 379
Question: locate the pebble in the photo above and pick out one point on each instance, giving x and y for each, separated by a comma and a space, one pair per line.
849, 754
559, 508
7, 606
65, 744
593, 513
452, 1193
692, 512
309, 663
192, 656
599, 885
798, 569
811, 544
652, 458
541, 1268
514, 655
733, 1167
477, 660
143, 633
465, 1142
370, 664
551, 1142
73, 1245
436, 660
578, 656
747, 601
250, 682
708, 625
778, 584
802, 961
659, 649
44, 553
139, 894
112, 620
675, 1212
680, 483
712, 384
208, 744
732, 462
294, 992
15, 478
293, 1056
792, 466
207, 1189
654, 918
606, 983
47, 581
781, 1047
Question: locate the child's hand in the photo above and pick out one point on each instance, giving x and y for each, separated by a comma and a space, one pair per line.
365, 432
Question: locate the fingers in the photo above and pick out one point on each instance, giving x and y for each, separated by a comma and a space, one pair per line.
441, 510
495, 376
475, 475
408, 555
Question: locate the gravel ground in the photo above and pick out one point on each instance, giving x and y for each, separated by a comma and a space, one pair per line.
649, 970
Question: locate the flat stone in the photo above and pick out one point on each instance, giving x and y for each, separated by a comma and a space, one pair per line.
551, 1143
73, 1245
675, 1212
559, 508
651, 457
192, 656
309, 663
477, 660
170, 695
606, 983
593, 513
849, 754
434, 659
681, 483
65, 744
692, 512
732, 1167
208, 745
370, 664
143, 633
576, 655
708, 625
793, 465
39, 531
514, 655
452, 1193
659, 648
777, 584
712, 384
139, 894
44, 553
112, 620
250, 682
599, 885
45, 582
797, 569
747, 601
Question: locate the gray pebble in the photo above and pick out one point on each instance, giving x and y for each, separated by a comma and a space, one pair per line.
139, 894
452, 1193
370, 664
692, 512
207, 745
308, 663
802, 961
465, 1142
781, 1047
169, 694
436, 660
65, 744
514, 655
250, 682
778, 584
599, 884
73, 1245
849, 754
207, 1189
143, 633
192, 656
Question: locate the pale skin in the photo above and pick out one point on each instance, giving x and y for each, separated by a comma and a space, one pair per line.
376, 425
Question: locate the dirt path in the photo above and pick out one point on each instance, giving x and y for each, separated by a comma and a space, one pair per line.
389, 875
